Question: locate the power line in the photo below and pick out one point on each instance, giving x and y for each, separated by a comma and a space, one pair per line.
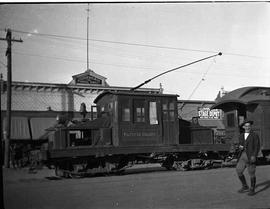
135, 44
127, 66
202, 79
80, 61
114, 42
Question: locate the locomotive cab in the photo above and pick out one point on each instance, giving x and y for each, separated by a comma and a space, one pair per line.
140, 119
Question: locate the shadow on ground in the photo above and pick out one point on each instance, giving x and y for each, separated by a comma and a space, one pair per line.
265, 185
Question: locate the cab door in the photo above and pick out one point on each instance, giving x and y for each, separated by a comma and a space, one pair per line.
169, 121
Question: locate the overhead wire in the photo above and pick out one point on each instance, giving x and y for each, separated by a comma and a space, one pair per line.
59, 37
80, 61
135, 44
127, 67
132, 44
202, 79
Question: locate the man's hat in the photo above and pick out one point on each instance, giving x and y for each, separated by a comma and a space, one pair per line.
246, 121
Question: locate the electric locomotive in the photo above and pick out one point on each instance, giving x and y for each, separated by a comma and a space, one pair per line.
130, 127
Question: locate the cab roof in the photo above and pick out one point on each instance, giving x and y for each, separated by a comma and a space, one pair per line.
245, 95
132, 93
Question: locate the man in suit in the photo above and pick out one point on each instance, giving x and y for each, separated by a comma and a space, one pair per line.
249, 144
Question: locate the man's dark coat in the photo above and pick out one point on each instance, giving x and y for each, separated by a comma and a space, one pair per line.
251, 144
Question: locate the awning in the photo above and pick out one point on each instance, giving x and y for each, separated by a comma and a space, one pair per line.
19, 129
38, 126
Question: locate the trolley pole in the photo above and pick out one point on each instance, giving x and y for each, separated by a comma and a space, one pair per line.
9, 40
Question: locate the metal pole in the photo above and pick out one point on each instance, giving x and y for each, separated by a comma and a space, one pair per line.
1, 147
147, 81
8, 115
87, 37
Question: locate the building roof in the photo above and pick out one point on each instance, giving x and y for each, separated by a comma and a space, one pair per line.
89, 77
245, 95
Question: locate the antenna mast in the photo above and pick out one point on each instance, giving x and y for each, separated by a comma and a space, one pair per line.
87, 37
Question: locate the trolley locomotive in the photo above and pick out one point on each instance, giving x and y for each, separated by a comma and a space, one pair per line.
131, 127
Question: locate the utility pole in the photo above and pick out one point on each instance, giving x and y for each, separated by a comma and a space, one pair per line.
9, 40
1, 151
87, 34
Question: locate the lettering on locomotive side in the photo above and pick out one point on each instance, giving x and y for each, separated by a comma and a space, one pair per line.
139, 133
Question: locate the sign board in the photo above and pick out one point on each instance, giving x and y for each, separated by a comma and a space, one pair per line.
206, 113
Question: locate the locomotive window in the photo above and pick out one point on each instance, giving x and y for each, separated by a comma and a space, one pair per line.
171, 106
102, 109
125, 110
140, 114
171, 115
171, 111
153, 113
230, 120
139, 111
110, 106
168, 113
165, 106
126, 114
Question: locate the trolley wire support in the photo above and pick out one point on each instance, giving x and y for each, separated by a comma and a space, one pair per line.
147, 81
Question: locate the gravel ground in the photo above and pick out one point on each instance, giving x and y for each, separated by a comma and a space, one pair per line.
141, 187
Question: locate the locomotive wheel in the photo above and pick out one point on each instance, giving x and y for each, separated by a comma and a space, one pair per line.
168, 163
59, 172
62, 173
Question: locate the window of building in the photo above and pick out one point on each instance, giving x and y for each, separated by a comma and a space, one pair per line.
153, 113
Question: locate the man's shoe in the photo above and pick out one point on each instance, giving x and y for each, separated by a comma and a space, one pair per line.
251, 192
244, 189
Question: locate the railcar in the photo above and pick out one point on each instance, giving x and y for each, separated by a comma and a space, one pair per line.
248, 102
130, 127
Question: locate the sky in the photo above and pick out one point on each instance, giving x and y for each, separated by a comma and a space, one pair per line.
132, 42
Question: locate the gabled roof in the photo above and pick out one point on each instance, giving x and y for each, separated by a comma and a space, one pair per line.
89, 77
245, 95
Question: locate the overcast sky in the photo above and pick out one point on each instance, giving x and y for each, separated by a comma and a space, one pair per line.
130, 43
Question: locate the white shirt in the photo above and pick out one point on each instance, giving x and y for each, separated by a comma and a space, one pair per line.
246, 136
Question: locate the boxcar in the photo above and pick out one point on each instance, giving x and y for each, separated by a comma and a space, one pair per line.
247, 102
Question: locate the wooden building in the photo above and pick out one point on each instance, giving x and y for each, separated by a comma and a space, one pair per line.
37, 106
